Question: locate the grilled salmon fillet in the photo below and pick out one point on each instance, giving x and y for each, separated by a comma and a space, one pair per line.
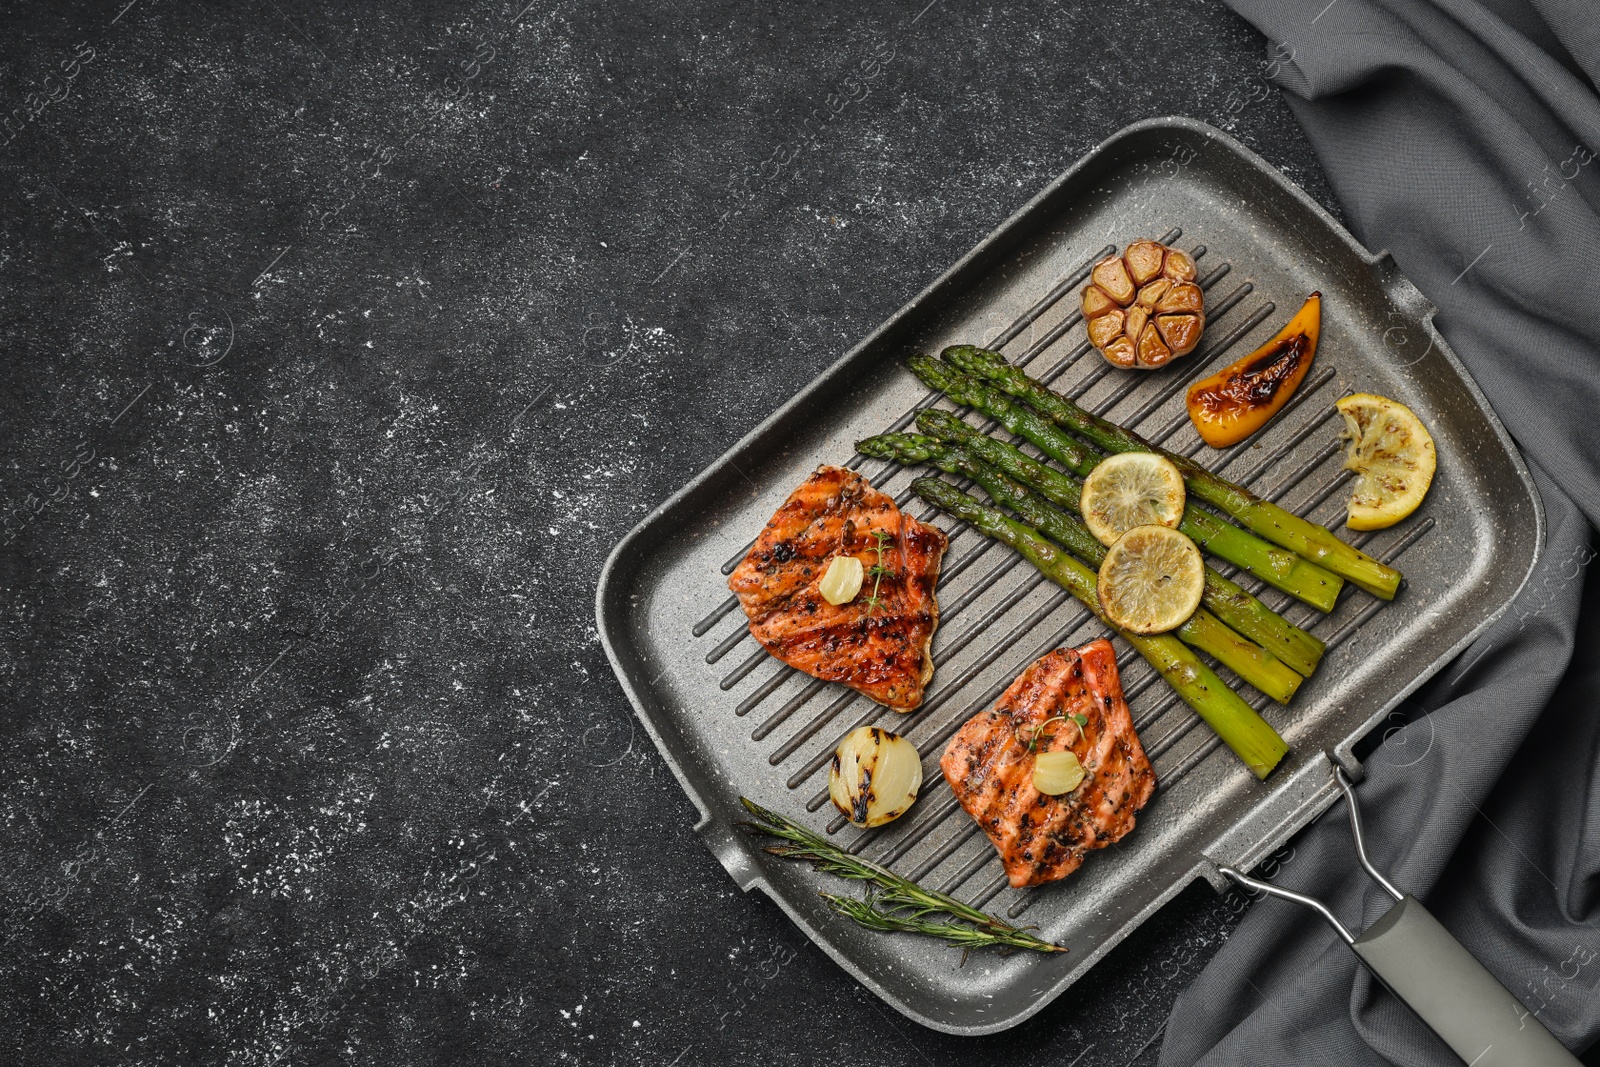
989, 764
879, 649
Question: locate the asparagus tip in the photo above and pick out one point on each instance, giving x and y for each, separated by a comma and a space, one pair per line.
873, 446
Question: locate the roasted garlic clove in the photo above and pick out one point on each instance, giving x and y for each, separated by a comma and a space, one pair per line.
1151, 294
1180, 332
1111, 275
1135, 321
1106, 328
1184, 296
1143, 308
1058, 772
842, 580
1144, 260
875, 776
1153, 351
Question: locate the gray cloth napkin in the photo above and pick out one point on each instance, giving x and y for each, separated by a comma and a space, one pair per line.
1465, 138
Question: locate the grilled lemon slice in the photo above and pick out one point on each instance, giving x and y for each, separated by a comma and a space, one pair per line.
1392, 455
1151, 580
1131, 489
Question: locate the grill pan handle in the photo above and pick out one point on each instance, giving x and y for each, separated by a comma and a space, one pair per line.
1433, 974
1424, 965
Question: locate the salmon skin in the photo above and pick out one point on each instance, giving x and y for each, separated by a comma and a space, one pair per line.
989, 764
879, 649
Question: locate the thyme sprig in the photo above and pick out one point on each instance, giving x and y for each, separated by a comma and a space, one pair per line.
893, 904
1080, 720
878, 571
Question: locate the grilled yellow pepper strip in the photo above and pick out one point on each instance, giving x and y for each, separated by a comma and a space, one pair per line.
1238, 400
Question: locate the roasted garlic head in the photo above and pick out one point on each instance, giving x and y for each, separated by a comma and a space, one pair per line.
1143, 307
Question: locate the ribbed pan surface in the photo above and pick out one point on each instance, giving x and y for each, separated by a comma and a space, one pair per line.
1163, 721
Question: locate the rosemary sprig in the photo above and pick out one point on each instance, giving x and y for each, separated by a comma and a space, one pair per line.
877, 570
955, 934
896, 904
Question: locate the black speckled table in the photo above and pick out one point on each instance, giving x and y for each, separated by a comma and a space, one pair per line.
341, 342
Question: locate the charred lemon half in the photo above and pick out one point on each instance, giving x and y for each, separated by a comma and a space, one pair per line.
1393, 457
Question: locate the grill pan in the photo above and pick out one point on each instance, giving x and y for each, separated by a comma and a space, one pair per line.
730, 720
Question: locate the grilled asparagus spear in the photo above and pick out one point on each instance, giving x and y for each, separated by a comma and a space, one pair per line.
1259, 664
1239, 609
1252, 739
1273, 565
1315, 543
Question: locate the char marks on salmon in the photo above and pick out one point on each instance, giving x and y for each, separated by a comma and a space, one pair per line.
878, 646
990, 761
